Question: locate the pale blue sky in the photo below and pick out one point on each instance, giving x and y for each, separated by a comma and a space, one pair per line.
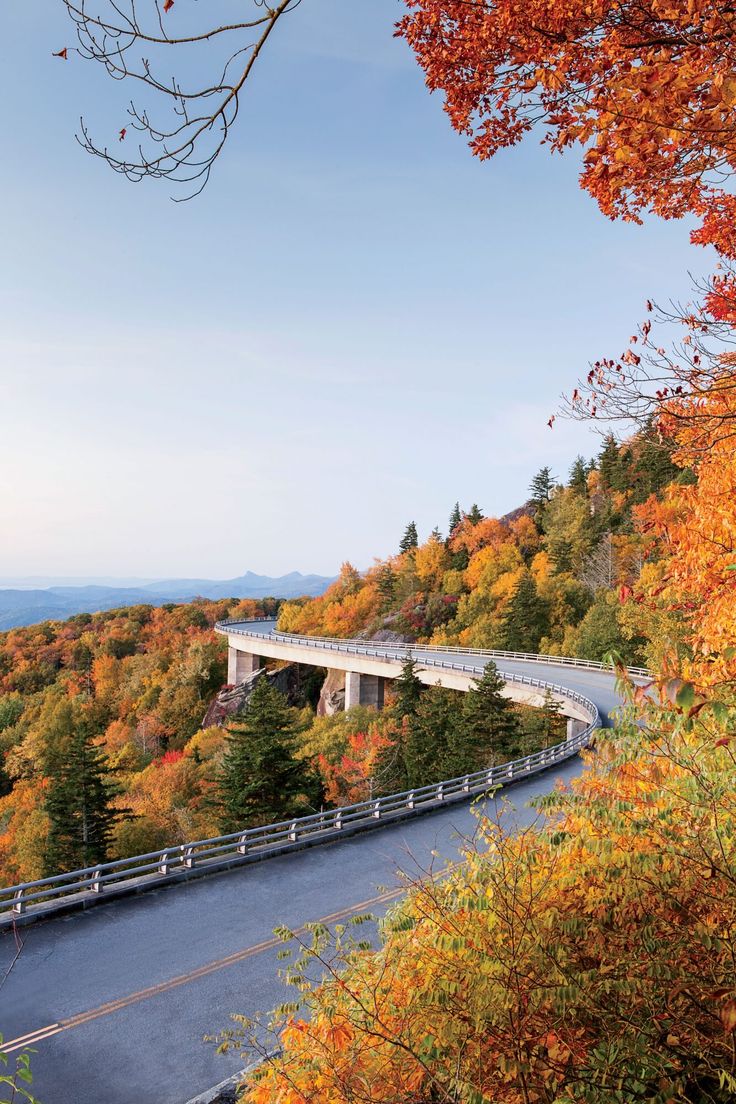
355, 325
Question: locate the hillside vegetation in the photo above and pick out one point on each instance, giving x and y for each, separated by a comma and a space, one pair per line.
103, 749
546, 578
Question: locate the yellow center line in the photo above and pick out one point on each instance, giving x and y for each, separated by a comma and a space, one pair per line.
41, 1033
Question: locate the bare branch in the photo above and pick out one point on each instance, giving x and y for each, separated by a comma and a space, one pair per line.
182, 147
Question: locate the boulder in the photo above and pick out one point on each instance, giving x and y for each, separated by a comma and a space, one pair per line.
231, 700
332, 695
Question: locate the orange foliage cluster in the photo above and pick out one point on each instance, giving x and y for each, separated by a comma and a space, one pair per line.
552, 964
696, 530
649, 89
147, 675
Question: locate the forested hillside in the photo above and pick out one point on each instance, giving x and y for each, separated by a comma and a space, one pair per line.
133, 685
103, 747
555, 577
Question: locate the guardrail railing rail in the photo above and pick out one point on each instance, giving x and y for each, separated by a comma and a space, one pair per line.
395, 650
140, 872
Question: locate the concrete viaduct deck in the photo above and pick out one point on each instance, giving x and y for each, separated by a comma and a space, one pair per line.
369, 664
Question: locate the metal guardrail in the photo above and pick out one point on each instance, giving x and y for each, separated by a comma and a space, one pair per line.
355, 646
146, 871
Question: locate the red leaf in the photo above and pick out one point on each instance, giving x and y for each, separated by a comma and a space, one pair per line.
168, 5
723, 742
123, 132
61, 54
551, 421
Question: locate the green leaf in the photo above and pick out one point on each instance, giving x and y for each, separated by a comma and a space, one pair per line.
685, 696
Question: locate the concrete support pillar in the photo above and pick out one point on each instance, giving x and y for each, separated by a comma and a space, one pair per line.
574, 727
372, 690
352, 688
240, 664
364, 690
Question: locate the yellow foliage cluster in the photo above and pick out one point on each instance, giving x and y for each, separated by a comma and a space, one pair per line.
591, 960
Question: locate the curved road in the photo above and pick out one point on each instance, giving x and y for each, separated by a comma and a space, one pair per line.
116, 1000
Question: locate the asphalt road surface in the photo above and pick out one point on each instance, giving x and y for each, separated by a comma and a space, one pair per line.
116, 1001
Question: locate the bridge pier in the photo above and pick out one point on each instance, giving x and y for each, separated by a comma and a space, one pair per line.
240, 664
364, 690
574, 727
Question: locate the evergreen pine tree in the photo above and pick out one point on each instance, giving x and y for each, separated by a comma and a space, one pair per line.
260, 780
610, 465
407, 689
544, 725
474, 515
386, 583
578, 480
455, 518
526, 618
540, 490
489, 730
410, 538
430, 749
79, 797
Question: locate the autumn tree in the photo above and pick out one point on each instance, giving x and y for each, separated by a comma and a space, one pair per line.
646, 90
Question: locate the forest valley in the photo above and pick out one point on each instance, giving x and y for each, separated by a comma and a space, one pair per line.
103, 750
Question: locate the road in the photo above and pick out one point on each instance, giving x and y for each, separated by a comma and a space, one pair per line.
116, 1000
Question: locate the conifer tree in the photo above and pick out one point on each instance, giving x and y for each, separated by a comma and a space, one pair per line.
544, 725
386, 583
407, 689
475, 514
261, 780
540, 490
79, 797
489, 730
526, 618
610, 465
410, 538
578, 480
430, 749
455, 518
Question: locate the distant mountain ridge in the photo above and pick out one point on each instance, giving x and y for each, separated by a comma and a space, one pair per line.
21, 606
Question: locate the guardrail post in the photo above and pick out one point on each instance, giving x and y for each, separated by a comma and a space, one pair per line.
95, 884
338, 820
466, 785
163, 866
293, 834
441, 792
242, 848
188, 860
19, 904
510, 771
377, 810
410, 800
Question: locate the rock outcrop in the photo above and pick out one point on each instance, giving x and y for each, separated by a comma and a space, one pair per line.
332, 695
231, 700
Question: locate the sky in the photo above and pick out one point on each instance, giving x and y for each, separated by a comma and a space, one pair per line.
356, 325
